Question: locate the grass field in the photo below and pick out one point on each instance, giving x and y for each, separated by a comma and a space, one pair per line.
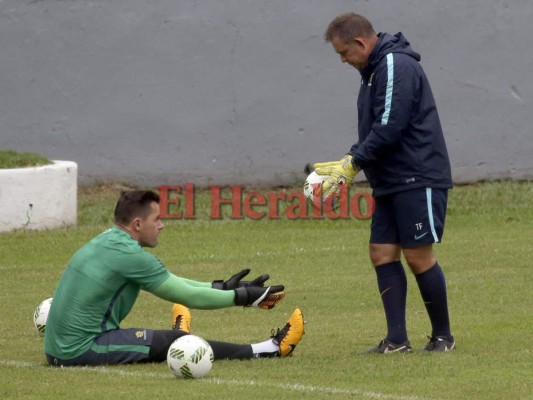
15, 159
486, 256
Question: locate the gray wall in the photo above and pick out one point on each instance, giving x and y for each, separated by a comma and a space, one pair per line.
235, 91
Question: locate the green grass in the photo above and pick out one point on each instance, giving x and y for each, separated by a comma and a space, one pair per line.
15, 159
486, 256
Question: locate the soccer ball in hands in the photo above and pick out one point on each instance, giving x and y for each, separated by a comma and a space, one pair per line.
190, 357
313, 187
41, 315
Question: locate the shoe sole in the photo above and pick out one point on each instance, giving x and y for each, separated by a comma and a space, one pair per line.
292, 346
186, 317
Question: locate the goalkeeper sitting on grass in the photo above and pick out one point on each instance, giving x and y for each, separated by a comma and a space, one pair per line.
103, 279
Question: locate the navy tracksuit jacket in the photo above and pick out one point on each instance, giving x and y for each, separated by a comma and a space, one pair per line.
401, 145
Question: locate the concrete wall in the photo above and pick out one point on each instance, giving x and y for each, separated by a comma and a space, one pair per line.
39, 197
235, 91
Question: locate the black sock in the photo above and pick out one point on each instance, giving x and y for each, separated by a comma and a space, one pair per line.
231, 351
432, 286
392, 284
162, 340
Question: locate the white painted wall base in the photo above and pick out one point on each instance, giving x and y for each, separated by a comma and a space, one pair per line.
39, 197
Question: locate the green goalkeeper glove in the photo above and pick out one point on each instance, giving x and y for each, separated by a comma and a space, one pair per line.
340, 172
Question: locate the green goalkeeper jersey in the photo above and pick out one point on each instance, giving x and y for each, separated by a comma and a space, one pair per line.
100, 285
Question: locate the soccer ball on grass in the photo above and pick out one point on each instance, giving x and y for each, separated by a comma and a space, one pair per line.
41, 315
190, 357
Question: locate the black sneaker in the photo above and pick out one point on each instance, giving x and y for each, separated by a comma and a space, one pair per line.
388, 347
440, 344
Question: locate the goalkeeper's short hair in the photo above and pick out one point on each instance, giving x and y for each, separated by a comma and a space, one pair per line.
134, 203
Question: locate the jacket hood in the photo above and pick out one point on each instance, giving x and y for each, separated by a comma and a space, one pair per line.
390, 44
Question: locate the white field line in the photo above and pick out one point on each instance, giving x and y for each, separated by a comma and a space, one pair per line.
224, 382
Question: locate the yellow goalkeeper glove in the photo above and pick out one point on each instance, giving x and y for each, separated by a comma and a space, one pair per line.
340, 172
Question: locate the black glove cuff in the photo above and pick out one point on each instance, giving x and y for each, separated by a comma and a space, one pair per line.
217, 285
241, 296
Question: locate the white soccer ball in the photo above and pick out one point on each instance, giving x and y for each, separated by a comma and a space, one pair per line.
313, 186
41, 315
190, 357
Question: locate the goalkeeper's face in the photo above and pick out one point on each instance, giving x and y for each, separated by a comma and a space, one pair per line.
149, 226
